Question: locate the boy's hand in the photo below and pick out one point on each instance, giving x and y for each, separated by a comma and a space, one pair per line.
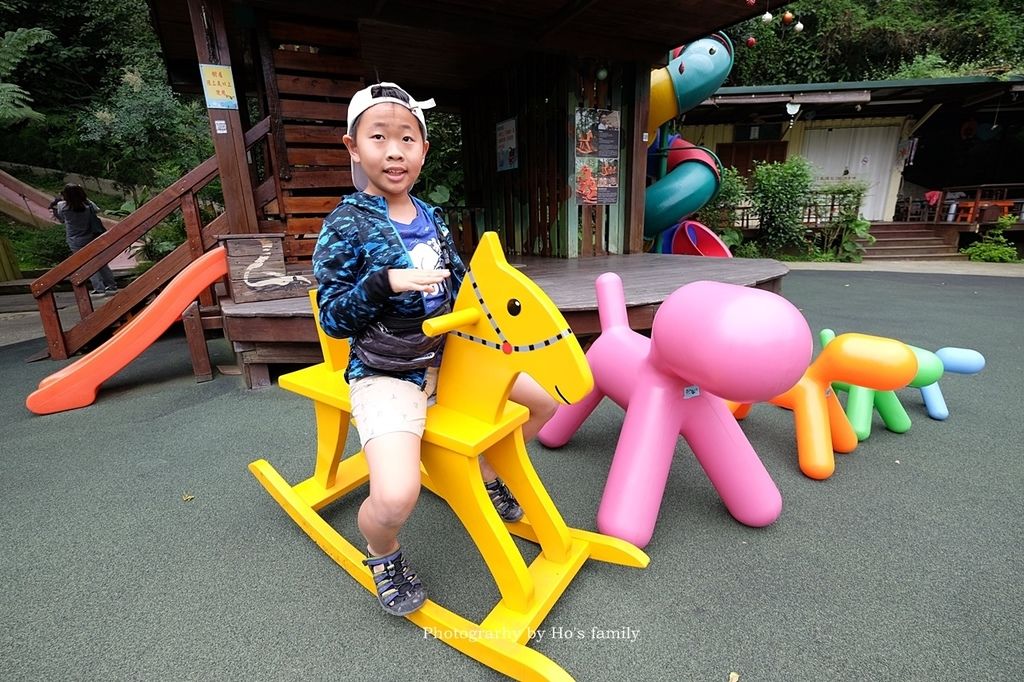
408, 279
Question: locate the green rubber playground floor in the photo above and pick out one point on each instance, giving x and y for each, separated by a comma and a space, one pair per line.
138, 545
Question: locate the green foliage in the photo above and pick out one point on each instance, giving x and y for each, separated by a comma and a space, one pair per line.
102, 86
779, 192
143, 126
442, 181
161, 240
994, 247
852, 40
14, 47
36, 248
928, 65
747, 249
94, 42
839, 238
168, 235
720, 213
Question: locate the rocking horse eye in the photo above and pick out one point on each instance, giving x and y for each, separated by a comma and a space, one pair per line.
712, 51
514, 307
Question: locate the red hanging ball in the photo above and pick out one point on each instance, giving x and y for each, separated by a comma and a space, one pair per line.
787, 18
751, 41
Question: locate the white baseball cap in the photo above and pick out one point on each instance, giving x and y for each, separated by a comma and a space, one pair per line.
379, 94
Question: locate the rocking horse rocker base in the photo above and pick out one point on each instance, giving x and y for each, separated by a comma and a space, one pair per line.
453, 440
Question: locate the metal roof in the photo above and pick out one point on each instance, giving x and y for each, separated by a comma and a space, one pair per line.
857, 99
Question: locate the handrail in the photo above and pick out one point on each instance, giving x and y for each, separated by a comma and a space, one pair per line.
88, 260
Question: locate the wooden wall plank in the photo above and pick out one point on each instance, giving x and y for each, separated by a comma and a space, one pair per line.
305, 225
318, 178
335, 65
320, 205
317, 86
313, 134
299, 249
637, 159
301, 33
314, 111
316, 156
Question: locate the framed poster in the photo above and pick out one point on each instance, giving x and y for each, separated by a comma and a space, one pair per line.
506, 145
597, 156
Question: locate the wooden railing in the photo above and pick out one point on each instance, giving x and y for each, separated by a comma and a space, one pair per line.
80, 266
966, 204
821, 209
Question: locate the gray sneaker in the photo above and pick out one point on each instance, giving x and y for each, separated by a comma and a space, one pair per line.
504, 501
399, 591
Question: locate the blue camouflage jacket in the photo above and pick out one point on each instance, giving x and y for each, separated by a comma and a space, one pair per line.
357, 245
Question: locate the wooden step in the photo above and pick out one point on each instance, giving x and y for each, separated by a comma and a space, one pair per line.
875, 251
905, 241
886, 226
943, 257
887, 234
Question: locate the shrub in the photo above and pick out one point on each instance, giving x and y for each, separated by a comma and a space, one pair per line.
36, 248
747, 249
720, 213
839, 238
779, 192
993, 247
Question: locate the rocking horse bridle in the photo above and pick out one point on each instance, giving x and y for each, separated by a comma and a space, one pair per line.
505, 346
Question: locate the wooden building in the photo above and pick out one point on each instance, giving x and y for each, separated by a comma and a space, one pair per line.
518, 69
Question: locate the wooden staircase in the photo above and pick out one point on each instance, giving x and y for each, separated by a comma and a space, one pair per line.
913, 241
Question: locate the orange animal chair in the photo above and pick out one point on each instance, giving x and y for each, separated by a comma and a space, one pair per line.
821, 424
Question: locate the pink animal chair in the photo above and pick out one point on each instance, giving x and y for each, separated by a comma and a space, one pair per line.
709, 340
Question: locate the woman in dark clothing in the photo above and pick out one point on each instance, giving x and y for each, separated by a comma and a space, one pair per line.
76, 212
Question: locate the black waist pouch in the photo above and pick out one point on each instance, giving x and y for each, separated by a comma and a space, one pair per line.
398, 344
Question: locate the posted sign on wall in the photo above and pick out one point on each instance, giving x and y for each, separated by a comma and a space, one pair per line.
218, 86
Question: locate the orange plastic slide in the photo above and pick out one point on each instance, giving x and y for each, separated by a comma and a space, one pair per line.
77, 384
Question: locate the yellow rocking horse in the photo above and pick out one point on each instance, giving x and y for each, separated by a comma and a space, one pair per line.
502, 324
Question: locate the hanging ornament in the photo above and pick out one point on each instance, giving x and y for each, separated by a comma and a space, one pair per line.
751, 41
787, 18
751, 3
766, 17
798, 27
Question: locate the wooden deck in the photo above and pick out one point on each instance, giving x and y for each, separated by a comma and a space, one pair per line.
283, 331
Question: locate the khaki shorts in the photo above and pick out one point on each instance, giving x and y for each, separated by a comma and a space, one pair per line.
383, 404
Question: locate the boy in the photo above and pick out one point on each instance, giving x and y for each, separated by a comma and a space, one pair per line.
384, 257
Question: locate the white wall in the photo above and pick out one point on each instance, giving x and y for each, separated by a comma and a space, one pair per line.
867, 154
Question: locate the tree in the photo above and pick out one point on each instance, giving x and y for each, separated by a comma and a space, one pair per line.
93, 42
102, 86
14, 47
852, 40
148, 134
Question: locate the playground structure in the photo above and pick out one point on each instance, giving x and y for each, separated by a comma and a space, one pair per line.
489, 344
31, 206
690, 175
821, 424
77, 384
709, 340
862, 402
691, 238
